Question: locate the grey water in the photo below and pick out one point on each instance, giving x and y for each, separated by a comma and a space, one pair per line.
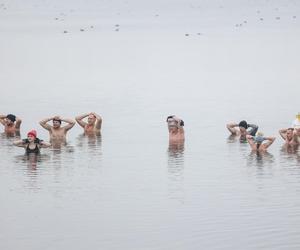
128, 188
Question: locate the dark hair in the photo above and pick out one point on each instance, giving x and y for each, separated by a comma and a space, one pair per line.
169, 117
243, 124
181, 123
11, 117
58, 120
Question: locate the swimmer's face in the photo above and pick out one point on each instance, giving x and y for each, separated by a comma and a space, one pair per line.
30, 138
243, 131
56, 124
9, 122
289, 134
173, 128
91, 119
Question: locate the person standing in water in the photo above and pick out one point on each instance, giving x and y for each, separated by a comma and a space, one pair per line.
257, 143
289, 136
175, 127
32, 144
243, 129
296, 126
93, 124
57, 132
11, 124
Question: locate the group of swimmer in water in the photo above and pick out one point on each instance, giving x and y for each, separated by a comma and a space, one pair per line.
32, 144
57, 132
260, 143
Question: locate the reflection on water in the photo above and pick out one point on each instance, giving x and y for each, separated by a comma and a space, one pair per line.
176, 170
92, 141
260, 159
290, 156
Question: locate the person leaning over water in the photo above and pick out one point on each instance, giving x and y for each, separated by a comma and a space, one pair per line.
289, 136
93, 124
257, 142
11, 124
175, 127
32, 144
243, 129
56, 132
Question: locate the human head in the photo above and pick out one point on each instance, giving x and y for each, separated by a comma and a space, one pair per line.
289, 134
10, 118
91, 119
56, 122
31, 135
243, 125
172, 123
259, 138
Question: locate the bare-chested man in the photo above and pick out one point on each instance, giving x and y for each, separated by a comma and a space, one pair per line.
93, 124
11, 124
56, 132
243, 129
289, 136
175, 127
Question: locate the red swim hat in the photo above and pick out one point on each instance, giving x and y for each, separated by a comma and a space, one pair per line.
32, 133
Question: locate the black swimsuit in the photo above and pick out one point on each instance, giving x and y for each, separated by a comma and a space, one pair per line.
36, 150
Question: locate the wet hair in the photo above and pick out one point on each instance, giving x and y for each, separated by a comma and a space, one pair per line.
58, 120
11, 117
181, 123
243, 124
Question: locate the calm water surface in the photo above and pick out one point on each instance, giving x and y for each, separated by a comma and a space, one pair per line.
130, 189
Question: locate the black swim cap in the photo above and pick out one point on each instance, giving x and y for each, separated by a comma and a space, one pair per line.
169, 117
11, 117
243, 124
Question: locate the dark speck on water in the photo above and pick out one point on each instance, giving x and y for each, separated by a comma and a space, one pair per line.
294, 16
81, 29
261, 19
277, 18
65, 31
187, 34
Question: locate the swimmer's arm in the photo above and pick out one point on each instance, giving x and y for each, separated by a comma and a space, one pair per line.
43, 144
18, 123
269, 142
178, 120
19, 143
79, 119
2, 121
99, 120
252, 126
251, 142
282, 133
44, 124
70, 125
295, 138
231, 127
